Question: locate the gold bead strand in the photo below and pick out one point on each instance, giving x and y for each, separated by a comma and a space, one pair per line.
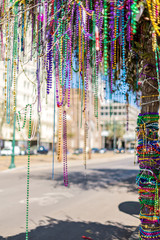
155, 26
60, 128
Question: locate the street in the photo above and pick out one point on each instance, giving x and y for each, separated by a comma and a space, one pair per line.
100, 202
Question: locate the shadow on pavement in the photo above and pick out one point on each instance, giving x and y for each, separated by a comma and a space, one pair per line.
94, 179
131, 208
69, 230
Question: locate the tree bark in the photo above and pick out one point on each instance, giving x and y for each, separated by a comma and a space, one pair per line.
148, 151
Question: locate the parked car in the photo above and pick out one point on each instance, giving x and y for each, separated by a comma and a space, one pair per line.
78, 151
42, 150
103, 150
119, 150
23, 151
131, 150
95, 150
6, 152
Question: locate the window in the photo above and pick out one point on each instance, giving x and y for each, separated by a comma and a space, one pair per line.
120, 113
102, 113
106, 113
115, 113
115, 107
101, 107
119, 107
106, 107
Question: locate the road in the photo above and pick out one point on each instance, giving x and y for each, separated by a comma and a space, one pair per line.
100, 202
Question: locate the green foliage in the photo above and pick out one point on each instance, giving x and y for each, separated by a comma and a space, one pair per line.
114, 128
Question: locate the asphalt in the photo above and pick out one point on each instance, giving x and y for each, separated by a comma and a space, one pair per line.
100, 202
135, 234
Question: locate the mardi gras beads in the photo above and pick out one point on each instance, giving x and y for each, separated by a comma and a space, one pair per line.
49, 67
28, 170
60, 129
105, 38
153, 20
148, 178
135, 11
157, 68
65, 171
123, 53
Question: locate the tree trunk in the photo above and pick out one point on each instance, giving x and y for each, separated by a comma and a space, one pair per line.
148, 152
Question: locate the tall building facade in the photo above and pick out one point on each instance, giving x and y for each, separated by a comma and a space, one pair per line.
118, 123
42, 122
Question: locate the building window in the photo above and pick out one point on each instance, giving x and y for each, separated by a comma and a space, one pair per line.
106, 107
115, 113
101, 107
119, 107
120, 113
106, 113
115, 107
102, 113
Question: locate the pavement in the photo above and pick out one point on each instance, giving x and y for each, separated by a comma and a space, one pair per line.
43, 160
135, 234
100, 202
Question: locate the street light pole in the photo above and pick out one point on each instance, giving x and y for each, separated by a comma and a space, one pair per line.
12, 165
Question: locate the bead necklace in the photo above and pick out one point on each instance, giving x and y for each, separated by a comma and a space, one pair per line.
135, 11
6, 60
60, 129
153, 20
28, 170
65, 171
105, 39
123, 54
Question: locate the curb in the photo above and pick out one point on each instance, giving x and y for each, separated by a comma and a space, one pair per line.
135, 234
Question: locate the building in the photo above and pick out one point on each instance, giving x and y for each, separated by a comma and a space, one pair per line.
42, 122
116, 117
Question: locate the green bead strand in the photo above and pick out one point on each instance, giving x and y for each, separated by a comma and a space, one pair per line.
28, 170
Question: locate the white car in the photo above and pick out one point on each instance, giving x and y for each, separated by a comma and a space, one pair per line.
6, 152
103, 150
